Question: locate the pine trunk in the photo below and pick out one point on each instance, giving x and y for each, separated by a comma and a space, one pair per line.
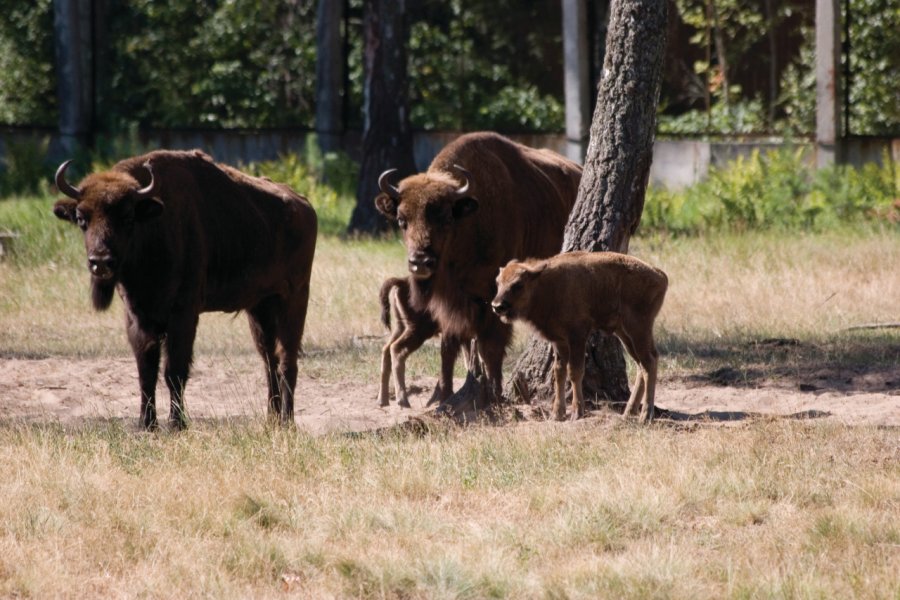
387, 136
611, 195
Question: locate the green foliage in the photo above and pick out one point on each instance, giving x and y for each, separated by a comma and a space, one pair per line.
23, 167
27, 85
471, 68
327, 180
223, 64
42, 238
743, 116
777, 190
875, 63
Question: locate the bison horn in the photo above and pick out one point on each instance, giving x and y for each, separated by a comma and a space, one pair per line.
64, 186
385, 186
466, 175
148, 191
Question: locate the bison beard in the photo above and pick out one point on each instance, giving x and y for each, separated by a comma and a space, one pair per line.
483, 201
102, 294
176, 235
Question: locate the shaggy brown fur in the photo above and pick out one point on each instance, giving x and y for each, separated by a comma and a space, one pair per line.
412, 327
568, 296
204, 237
516, 205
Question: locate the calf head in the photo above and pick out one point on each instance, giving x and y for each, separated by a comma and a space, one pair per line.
514, 289
427, 208
106, 206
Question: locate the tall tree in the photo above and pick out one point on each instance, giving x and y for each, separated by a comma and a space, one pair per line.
73, 25
387, 136
329, 74
611, 195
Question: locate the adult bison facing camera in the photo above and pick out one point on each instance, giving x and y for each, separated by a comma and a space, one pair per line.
483, 201
176, 235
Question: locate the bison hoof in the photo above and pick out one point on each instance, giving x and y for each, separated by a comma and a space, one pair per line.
403, 403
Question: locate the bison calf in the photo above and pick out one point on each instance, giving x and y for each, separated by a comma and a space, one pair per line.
412, 327
567, 296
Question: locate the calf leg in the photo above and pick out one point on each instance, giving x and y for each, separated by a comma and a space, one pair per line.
146, 350
179, 354
646, 355
576, 375
410, 341
637, 390
560, 360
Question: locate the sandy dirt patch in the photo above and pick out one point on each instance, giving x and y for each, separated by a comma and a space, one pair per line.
71, 391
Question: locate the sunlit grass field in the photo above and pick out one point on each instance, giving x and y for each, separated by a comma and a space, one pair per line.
598, 509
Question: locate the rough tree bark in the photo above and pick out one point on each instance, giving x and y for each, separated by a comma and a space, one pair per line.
611, 195
387, 136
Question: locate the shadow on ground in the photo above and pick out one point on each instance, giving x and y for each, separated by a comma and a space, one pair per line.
848, 362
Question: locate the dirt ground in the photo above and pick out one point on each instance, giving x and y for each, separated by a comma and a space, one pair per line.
71, 391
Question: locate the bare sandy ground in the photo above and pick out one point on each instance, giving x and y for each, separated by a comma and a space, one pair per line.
69, 392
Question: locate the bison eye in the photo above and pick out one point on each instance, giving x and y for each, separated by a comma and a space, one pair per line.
81, 221
402, 223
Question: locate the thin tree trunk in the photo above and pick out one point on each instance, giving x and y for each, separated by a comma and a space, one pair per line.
773, 63
611, 194
329, 74
387, 136
719, 37
73, 26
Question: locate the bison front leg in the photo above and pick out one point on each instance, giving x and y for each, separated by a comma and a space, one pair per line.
146, 349
179, 354
449, 352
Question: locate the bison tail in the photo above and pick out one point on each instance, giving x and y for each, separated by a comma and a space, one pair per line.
385, 297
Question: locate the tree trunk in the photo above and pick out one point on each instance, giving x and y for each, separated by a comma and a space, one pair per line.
72, 23
611, 195
387, 136
329, 74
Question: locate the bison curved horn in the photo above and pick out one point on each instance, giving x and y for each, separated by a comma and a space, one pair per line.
148, 191
385, 186
466, 178
64, 186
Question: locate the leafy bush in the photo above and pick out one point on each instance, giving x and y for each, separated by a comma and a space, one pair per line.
327, 180
23, 167
777, 190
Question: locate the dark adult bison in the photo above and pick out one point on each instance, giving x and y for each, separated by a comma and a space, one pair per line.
483, 201
177, 235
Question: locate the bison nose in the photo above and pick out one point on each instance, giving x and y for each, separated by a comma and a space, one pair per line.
501, 308
102, 266
422, 264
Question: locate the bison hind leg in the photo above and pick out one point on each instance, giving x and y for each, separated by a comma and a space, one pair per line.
262, 327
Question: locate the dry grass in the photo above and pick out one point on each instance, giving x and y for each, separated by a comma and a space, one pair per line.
772, 509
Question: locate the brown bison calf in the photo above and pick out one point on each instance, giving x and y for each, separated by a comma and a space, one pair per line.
412, 327
568, 296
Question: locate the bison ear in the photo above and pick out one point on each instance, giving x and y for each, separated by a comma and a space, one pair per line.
65, 209
464, 207
147, 209
386, 205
